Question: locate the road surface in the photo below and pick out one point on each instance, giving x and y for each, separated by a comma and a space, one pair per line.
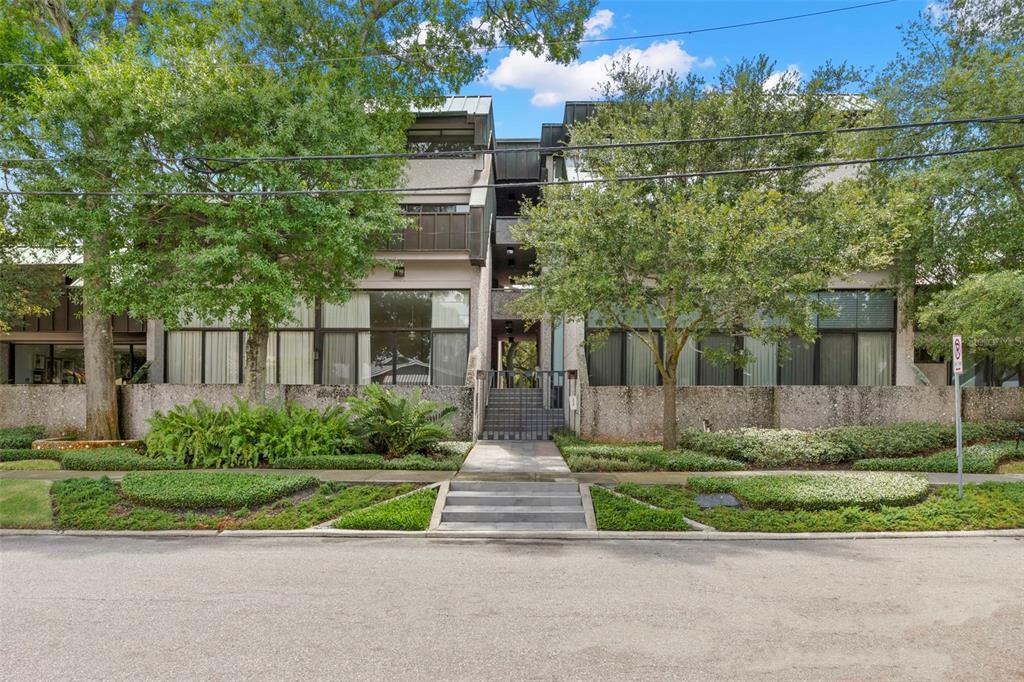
281, 608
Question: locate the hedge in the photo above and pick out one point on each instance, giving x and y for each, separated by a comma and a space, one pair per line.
199, 490
19, 454
978, 459
911, 438
19, 437
612, 457
818, 492
768, 447
114, 459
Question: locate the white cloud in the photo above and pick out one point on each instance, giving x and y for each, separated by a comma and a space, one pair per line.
601, 21
789, 79
553, 83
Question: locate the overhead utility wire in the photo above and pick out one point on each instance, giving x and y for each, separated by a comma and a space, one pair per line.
1008, 118
507, 185
609, 39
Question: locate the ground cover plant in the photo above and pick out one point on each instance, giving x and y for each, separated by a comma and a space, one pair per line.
25, 504
411, 512
114, 459
817, 491
613, 512
18, 454
985, 506
30, 464
1012, 468
582, 456
205, 490
910, 438
19, 437
98, 504
449, 457
978, 459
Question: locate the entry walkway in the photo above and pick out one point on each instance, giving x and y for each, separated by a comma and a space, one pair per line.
515, 457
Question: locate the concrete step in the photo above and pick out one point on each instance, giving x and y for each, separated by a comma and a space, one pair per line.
512, 514
522, 525
510, 498
519, 487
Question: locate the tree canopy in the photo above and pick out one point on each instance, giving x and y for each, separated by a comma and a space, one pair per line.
686, 258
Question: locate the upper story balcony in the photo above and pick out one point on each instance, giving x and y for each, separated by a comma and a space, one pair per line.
445, 231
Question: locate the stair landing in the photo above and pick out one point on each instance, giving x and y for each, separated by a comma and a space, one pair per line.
515, 457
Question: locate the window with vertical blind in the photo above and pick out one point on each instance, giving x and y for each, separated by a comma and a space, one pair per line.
856, 346
390, 337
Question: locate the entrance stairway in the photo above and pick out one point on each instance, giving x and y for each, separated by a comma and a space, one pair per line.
492, 505
519, 414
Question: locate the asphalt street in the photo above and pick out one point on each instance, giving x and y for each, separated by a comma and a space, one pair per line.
281, 608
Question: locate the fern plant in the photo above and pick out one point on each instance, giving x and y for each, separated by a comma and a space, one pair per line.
395, 425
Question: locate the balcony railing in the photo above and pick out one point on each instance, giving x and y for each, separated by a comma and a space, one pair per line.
443, 232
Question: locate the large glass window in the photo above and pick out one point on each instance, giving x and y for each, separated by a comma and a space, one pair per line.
185, 357
295, 357
716, 373
605, 363
339, 358
222, 358
400, 309
412, 357
641, 369
450, 355
874, 359
764, 363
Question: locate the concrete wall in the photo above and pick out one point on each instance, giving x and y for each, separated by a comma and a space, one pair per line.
61, 408
630, 413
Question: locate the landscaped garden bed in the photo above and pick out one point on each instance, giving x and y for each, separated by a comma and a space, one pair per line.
799, 505
984, 458
411, 512
208, 501
909, 443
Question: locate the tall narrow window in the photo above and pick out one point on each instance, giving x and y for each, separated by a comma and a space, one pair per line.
339, 358
798, 366
686, 370
716, 373
184, 357
449, 357
221, 357
606, 361
763, 365
295, 355
874, 359
412, 357
641, 369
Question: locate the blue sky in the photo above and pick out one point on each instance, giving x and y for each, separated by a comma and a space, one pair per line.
528, 91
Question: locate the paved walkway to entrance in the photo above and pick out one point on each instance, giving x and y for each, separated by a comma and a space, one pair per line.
531, 457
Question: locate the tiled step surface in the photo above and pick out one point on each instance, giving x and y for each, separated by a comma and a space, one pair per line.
486, 505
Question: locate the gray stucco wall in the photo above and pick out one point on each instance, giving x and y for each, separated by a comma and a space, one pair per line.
62, 408
631, 413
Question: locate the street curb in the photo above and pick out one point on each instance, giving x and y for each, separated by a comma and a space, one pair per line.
703, 536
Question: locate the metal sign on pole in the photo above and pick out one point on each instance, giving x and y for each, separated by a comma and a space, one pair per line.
958, 369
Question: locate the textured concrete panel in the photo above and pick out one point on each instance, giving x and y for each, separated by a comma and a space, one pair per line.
984, 404
815, 407
60, 408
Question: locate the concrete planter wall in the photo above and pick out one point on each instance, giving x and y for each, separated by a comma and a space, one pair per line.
629, 413
61, 408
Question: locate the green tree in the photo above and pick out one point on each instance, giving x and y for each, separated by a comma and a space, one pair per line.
962, 59
148, 86
739, 254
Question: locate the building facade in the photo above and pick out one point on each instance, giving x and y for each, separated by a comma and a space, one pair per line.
441, 315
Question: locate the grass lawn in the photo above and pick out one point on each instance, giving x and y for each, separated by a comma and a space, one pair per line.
91, 504
30, 464
408, 513
985, 506
25, 504
978, 459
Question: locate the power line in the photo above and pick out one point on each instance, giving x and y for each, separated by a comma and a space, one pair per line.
1008, 118
384, 55
507, 185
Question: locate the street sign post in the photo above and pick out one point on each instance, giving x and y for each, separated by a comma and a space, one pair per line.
958, 369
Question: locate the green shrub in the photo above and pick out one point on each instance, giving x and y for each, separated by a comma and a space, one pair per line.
911, 438
767, 447
244, 435
394, 425
18, 454
198, 490
978, 459
330, 462
19, 437
30, 465
582, 456
815, 492
114, 459
411, 512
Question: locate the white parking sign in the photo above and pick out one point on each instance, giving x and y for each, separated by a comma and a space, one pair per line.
958, 355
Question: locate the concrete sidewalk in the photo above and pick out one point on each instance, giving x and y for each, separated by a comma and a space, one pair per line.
515, 458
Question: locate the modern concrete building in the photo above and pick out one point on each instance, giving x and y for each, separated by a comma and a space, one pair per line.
440, 318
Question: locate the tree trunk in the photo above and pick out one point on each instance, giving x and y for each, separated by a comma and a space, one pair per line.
256, 363
669, 432
101, 413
